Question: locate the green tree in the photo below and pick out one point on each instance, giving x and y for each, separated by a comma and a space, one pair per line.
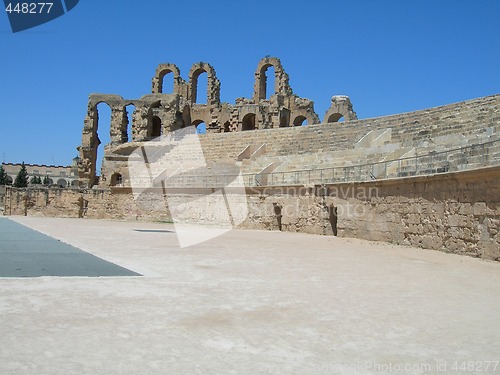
36, 180
3, 176
22, 177
46, 180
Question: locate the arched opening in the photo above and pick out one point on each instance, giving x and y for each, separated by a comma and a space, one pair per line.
268, 78
284, 118
51, 181
9, 180
156, 127
300, 121
278, 214
62, 183
227, 127
248, 122
129, 111
75, 183
200, 79
201, 127
116, 179
333, 216
103, 113
166, 85
335, 117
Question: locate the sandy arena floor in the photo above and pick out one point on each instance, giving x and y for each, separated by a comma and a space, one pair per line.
250, 302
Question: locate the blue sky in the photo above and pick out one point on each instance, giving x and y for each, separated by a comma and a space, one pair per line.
388, 56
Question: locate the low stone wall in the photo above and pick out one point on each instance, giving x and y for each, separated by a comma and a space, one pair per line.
2, 194
82, 203
454, 212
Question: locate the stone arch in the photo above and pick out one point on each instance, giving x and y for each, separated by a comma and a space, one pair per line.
281, 84
9, 180
248, 122
213, 84
154, 121
303, 116
62, 183
341, 107
200, 125
161, 72
334, 117
299, 120
75, 183
87, 164
227, 127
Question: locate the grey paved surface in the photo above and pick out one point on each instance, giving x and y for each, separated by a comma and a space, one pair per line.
25, 252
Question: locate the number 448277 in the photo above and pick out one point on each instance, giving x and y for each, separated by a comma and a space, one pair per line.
29, 8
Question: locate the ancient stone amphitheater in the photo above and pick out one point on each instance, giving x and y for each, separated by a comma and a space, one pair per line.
427, 178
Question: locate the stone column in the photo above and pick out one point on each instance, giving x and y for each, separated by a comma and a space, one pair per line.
117, 121
88, 149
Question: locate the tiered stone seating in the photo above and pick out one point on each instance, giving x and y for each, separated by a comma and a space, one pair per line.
377, 148
382, 140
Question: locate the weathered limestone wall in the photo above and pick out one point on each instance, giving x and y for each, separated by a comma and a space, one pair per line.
457, 212
454, 212
91, 203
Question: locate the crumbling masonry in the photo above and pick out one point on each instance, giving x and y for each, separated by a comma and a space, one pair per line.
159, 113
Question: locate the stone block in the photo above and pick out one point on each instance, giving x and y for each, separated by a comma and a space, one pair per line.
480, 209
414, 219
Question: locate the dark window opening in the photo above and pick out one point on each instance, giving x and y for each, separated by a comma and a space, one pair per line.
156, 127
248, 122
333, 218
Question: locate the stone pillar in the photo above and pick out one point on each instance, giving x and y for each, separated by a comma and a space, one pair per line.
341, 107
140, 123
118, 120
88, 149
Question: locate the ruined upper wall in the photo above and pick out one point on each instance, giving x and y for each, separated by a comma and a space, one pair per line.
474, 118
159, 113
